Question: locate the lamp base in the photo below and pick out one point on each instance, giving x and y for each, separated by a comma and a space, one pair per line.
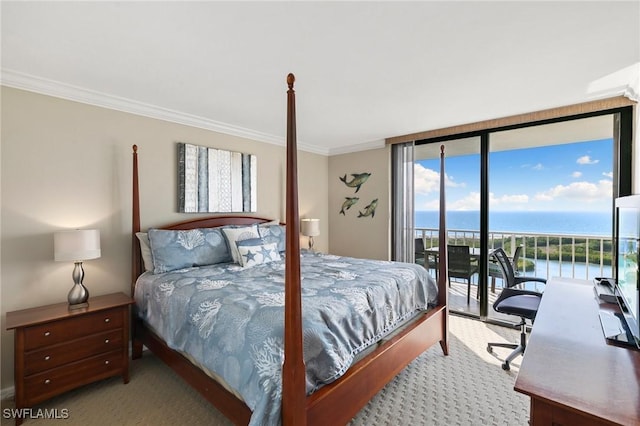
78, 296
78, 306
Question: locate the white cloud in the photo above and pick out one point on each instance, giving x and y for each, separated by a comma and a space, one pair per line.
508, 199
576, 174
472, 201
508, 202
608, 174
578, 191
536, 167
428, 205
585, 159
426, 181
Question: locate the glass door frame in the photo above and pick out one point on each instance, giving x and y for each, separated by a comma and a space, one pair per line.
622, 169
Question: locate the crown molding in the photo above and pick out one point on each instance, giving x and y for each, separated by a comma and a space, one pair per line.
31, 83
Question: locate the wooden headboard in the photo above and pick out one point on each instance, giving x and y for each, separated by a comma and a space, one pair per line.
202, 222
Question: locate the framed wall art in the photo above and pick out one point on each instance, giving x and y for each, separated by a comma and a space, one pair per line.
215, 180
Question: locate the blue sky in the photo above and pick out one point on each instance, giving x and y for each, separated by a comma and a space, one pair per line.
567, 177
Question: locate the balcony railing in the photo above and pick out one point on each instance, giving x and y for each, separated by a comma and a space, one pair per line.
543, 255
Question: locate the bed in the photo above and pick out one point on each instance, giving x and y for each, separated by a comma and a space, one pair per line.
296, 336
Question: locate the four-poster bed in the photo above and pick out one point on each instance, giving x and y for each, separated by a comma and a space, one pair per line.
337, 401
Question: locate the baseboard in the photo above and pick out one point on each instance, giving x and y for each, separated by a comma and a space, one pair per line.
7, 393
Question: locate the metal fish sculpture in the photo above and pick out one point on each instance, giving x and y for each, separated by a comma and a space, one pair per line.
348, 202
370, 210
357, 181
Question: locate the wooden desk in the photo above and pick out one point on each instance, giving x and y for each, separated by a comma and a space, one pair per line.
571, 373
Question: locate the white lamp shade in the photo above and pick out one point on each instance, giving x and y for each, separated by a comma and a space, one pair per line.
76, 245
310, 227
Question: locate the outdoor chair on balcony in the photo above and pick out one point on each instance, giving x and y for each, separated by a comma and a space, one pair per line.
495, 271
419, 252
515, 301
461, 265
422, 257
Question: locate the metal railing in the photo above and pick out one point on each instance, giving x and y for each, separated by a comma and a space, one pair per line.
563, 255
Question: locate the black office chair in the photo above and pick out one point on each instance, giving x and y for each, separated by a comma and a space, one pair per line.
517, 302
461, 265
495, 271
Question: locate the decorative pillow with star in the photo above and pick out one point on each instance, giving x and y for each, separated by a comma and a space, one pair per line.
255, 251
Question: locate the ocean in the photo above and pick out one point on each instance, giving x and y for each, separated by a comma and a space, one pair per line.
572, 223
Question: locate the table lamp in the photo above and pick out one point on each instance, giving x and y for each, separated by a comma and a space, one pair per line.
77, 245
310, 228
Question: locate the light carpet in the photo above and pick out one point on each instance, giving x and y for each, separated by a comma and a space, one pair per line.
468, 387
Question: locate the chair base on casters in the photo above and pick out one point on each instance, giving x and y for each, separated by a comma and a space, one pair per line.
517, 349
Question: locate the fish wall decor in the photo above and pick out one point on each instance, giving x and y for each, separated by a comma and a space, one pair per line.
348, 202
369, 210
357, 181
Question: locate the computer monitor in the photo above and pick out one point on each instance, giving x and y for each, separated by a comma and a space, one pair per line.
627, 286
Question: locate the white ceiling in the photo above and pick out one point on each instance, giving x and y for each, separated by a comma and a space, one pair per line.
364, 71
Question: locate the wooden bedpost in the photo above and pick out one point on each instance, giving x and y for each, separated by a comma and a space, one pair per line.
293, 369
443, 268
136, 261
136, 266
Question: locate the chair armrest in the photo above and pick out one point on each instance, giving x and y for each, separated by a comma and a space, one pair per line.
519, 280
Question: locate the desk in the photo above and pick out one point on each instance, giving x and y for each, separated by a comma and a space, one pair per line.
573, 376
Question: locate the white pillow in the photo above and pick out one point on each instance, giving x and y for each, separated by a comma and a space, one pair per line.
238, 234
145, 250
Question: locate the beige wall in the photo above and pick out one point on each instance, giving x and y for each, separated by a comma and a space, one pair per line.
68, 165
351, 235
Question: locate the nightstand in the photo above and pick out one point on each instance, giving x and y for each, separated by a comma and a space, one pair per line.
57, 350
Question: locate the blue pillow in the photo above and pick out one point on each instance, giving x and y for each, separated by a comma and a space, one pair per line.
274, 234
173, 250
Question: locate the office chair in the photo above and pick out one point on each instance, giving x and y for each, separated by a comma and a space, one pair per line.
461, 265
517, 302
495, 271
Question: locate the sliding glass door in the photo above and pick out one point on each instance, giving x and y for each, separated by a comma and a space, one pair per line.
463, 215
551, 194
546, 186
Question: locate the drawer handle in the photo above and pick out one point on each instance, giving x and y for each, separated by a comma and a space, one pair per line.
106, 340
46, 382
47, 333
47, 358
106, 362
107, 319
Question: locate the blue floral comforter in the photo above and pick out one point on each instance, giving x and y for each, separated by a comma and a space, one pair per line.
231, 319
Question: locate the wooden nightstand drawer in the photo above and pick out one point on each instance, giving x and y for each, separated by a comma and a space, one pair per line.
42, 386
53, 356
57, 350
71, 328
